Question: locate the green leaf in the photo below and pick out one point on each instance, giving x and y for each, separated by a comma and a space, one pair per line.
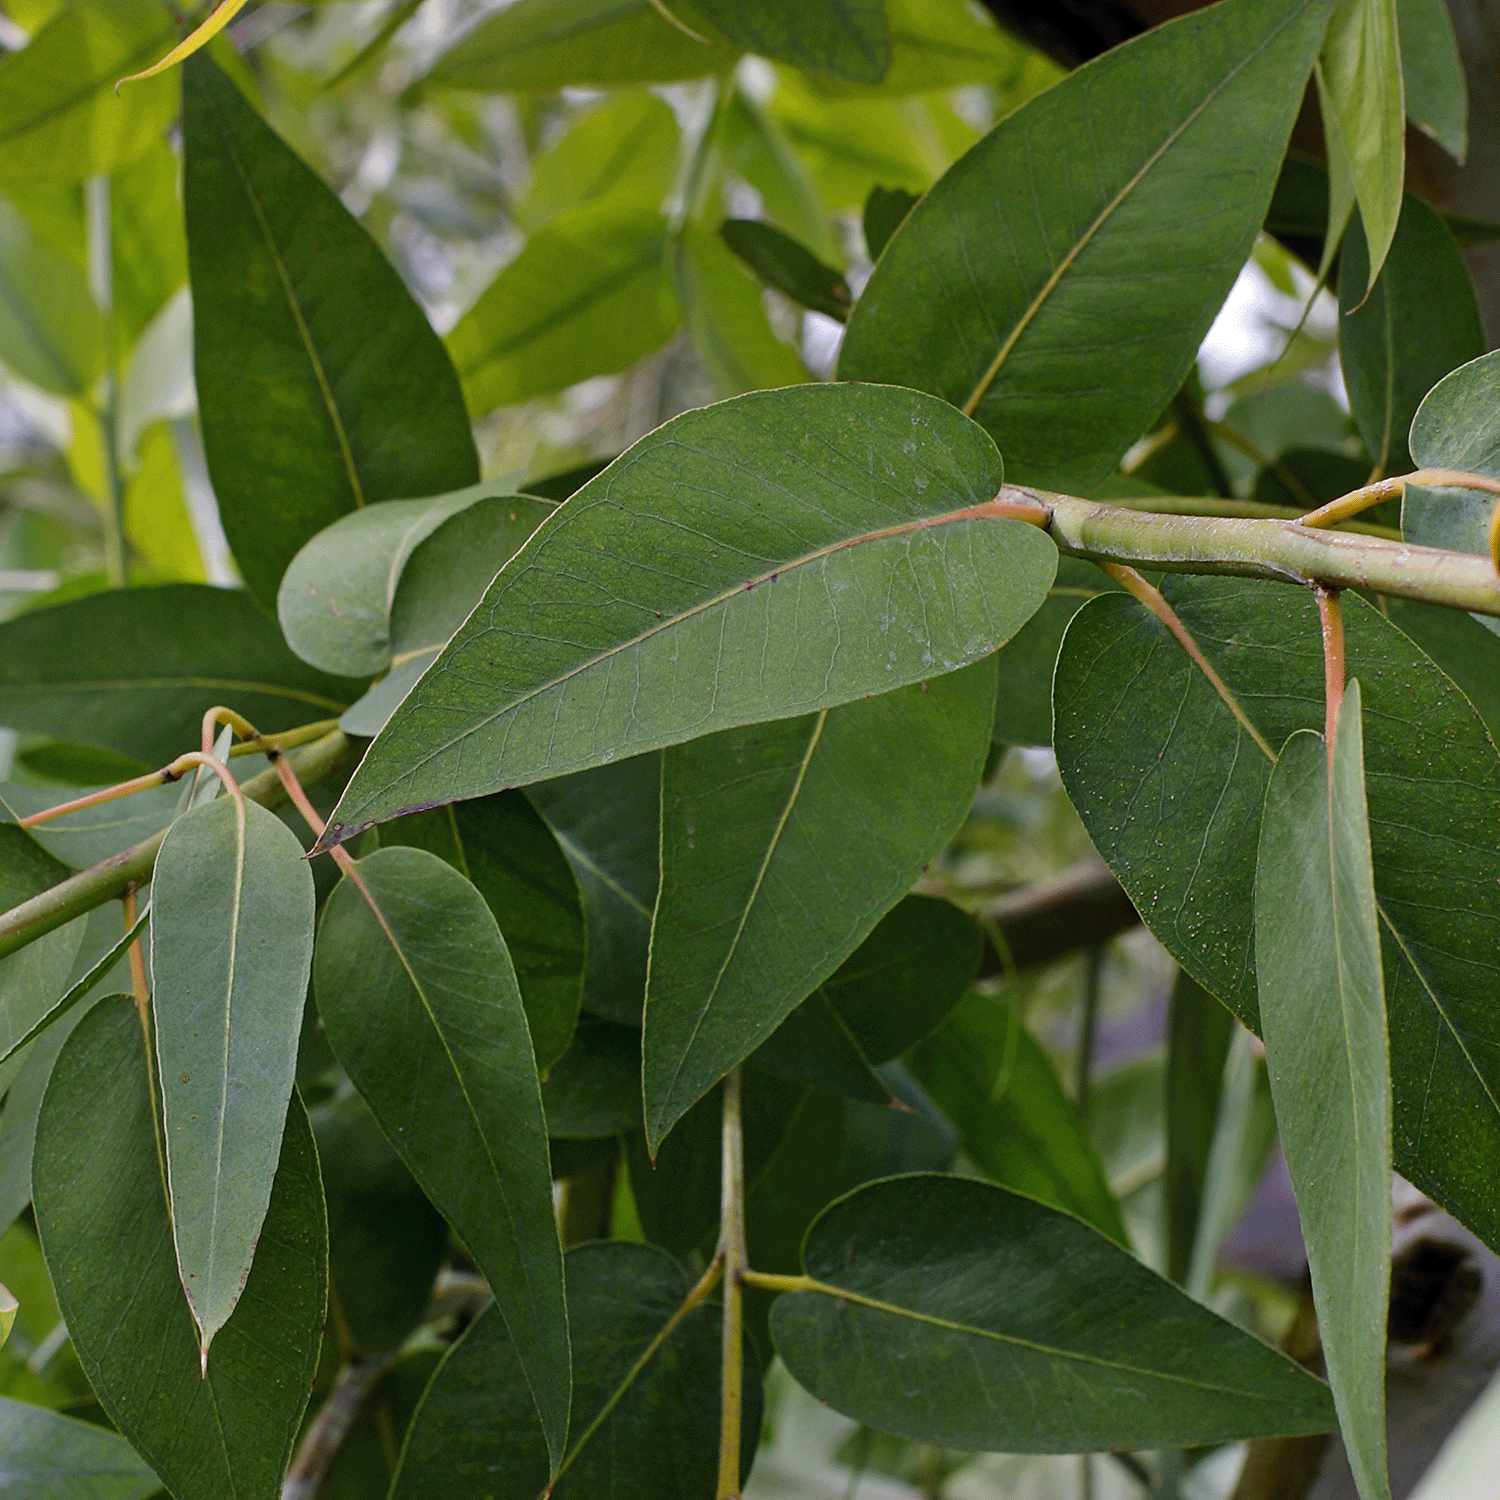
8, 1306
1152, 758
1420, 321
646, 1395
783, 263
51, 333
1002, 291
101, 1204
1322, 1013
595, 1088
1359, 72
822, 545
846, 39
60, 119
550, 44
362, 1466
1199, 1030
782, 845
135, 670
413, 980
47, 1456
501, 844
586, 296
231, 951
321, 385
885, 212
1461, 646
1432, 73
983, 1298
939, 44
80, 839
625, 150
726, 318
989, 1075
444, 578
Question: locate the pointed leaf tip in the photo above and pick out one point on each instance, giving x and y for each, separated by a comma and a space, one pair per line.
222, 16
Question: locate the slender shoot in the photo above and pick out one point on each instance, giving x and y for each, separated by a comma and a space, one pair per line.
1392, 489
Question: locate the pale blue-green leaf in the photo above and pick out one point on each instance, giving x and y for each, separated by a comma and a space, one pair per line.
773, 555
231, 951
83, 838
1322, 1014
782, 846
47, 1456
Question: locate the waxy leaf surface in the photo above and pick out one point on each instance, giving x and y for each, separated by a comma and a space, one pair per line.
1322, 1014
321, 384
47, 1456
420, 1004
101, 1204
782, 846
1021, 1329
1002, 292
231, 949
770, 556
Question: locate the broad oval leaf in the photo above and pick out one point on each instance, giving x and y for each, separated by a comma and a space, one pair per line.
231, 950
646, 1396
135, 670
782, 845
586, 296
47, 1456
982, 1299
101, 1204
1002, 291
60, 119
1149, 751
1322, 1014
51, 333
321, 384
1399, 338
826, 542
413, 981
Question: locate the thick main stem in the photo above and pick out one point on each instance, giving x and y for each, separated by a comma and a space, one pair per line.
732, 1250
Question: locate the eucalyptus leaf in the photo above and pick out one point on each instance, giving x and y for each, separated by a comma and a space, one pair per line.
135, 670
646, 1395
983, 1298
1432, 73
823, 547
845, 39
790, 267
885, 212
45, 1455
321, 385
8, 1307
1001, 292
595, 1088
782, 846
51, 333
231, 951
1322, 1013
101, 1203
413, 980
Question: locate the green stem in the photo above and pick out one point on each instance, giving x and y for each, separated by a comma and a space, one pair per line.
102, 284
111, 878
732, 1251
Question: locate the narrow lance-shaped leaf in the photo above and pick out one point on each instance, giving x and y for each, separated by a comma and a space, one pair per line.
844, 39
414, 982
47, 1456
782, 846
321, 384
231, 949
101, 1204
1432, 74
51, 333
790, 267
766, 557
1020, 1329
1001, 293
1322, 1014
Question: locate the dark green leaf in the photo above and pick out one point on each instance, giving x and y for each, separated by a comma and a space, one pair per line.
366, 1459
822, 548
989, 1075
413, 981
231, 950
885, 211
135, 670
1152, 758
549, 44
1002, 291
586, 296
47, 1456
321, 385
1437, 97
503, 847
1322, 1013
846, 39
983, 1299
60, 118
646, 1396
782, 846
1461, 646
101, 1204
51, 333
595, 1088
1420, 321
1308, 477
792, 268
